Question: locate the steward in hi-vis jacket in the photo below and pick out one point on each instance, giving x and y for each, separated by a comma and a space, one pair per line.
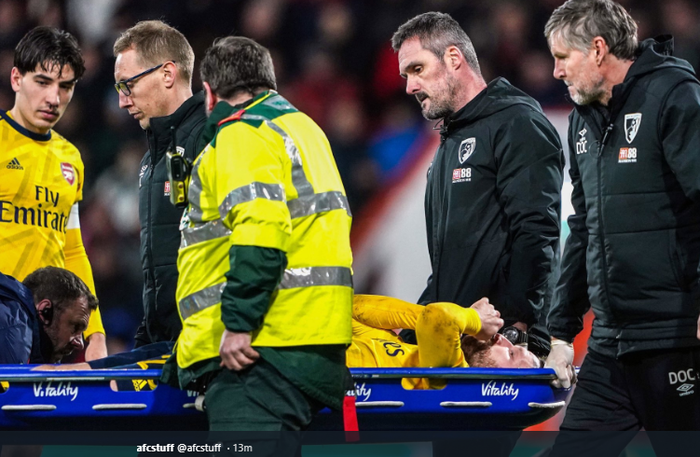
261, 195
265, 287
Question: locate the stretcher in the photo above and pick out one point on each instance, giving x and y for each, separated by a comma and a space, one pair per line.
472, 399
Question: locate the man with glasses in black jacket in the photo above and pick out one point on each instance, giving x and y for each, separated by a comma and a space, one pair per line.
153, 74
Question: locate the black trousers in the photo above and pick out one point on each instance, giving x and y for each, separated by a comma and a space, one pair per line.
614, 398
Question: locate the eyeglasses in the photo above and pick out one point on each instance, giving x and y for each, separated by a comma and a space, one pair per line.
123, 86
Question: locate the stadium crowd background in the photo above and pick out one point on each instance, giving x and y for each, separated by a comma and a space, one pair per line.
333, 61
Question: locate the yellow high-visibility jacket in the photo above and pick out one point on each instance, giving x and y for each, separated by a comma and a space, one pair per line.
267, 179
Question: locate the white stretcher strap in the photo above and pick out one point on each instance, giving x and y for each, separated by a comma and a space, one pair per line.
466, 404
379, 404
28, 407
114, 406
535, 405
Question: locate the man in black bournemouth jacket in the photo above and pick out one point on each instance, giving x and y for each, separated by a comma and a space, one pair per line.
493, 196
153, 72
634, 248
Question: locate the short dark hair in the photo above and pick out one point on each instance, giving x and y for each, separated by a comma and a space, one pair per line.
233, 64
46, 47
58, 285
436, 32
579, 21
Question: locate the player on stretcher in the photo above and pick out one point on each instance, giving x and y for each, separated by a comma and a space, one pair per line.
447, 334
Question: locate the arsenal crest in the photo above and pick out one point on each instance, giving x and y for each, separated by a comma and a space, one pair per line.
68, 172
632, 122
466, 149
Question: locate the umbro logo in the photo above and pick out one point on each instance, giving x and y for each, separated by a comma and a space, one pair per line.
14, 165
687, 379
685, 389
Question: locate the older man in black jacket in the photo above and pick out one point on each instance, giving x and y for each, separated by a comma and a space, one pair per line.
634, 248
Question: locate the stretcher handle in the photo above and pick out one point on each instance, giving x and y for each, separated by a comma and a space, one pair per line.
515, 374
23, 373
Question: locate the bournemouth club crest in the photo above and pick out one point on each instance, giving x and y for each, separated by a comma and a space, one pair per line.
466, 149
632, 122
68, 172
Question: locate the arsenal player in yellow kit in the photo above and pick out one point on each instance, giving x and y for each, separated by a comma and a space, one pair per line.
41, 173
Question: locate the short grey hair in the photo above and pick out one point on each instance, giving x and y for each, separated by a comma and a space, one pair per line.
578, 22
436, 32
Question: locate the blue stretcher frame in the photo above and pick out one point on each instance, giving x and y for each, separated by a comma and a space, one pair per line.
473, 399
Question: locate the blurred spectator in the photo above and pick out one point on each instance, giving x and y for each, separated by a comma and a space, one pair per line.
117, 189
400, 126
680, 18
510, 24
13, 24
114, 257
386, 82
46, 12
348, 139
320, 85
535, 75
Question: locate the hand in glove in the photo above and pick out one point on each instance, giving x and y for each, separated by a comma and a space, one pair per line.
561, 358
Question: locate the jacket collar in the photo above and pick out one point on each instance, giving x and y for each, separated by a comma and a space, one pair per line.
653, 54
223, 110
498, 95
160, 131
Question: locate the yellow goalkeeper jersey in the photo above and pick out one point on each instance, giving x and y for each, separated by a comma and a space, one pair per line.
438, 327
41, 182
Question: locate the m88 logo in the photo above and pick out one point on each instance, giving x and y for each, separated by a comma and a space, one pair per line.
627, 155
461, 175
